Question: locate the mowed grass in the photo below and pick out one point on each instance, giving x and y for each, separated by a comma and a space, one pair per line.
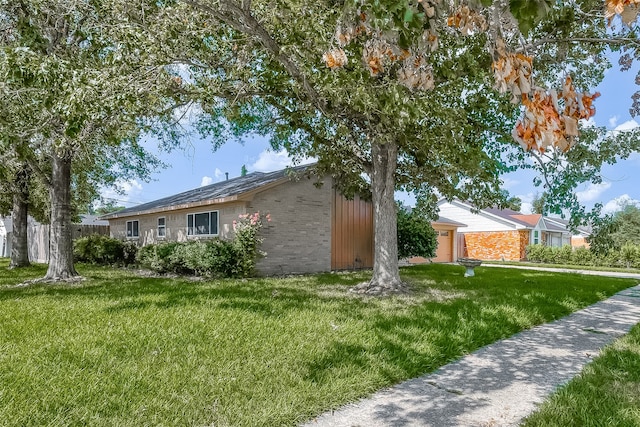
606, 393
123, 350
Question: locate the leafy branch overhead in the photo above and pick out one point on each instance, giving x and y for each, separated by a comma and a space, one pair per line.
402, 35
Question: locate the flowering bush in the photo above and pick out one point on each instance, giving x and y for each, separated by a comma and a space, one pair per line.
247, 242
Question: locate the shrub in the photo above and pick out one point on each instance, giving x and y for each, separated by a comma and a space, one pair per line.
103, 250
564, 254
212, 258
159, 258
628, 255
416, 236
535, 253
246, 242
582, 256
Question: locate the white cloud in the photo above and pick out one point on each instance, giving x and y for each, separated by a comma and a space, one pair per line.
508, 183
628, 125
218, 173
206, 180
592, 192
616, 204
126, 193
613, 121
269, 161
526, 208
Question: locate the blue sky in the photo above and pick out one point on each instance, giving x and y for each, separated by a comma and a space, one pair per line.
198, 165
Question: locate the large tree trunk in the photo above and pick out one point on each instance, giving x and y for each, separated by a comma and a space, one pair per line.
386, 274
60, 237
19, 212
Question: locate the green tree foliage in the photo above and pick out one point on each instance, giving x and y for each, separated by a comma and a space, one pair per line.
79, 94
617, 230
254, 72
416, 236
538, 204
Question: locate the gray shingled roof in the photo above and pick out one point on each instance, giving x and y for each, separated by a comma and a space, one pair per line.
444, 220
219, 190
507, 214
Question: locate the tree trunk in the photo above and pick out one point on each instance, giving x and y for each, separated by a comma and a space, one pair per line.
60, 237
19, 212
386, 274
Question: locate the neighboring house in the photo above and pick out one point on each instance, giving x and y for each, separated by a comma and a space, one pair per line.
578, 237
312, 228
501, 234
38, 235
448, 240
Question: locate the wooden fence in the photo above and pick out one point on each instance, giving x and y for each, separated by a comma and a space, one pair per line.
38, 239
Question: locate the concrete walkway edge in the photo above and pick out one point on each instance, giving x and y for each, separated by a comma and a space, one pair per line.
500, 384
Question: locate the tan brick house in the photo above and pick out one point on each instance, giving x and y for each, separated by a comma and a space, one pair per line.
312, 228
501, 234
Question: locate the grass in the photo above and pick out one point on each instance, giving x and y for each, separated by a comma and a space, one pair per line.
123, 350
606, 393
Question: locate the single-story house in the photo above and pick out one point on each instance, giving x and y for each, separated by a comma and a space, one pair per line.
501, 234
312, 229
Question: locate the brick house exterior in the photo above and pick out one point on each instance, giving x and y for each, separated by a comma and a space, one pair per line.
302, 237
501, 234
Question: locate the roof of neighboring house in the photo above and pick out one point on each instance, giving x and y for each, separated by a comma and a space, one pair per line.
92, 220
565, 223
528, 221
219, 192
447, 221
532, 219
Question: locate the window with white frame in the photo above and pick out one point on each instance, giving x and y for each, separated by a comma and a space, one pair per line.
162, 229
536, 237
133, 229
202, 224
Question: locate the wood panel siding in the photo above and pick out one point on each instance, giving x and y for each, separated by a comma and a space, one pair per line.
351, 233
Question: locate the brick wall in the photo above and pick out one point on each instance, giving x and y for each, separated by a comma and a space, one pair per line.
298, 238
497, 245
176, 223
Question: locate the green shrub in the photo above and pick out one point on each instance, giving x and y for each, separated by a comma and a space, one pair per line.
628, 255
103, 250
535, 253
416, 236
159, 258
211, 258
582, 256
564, 254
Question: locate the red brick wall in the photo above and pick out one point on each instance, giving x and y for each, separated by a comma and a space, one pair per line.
497, 245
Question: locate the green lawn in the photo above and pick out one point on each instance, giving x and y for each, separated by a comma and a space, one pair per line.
122, 350
606, 393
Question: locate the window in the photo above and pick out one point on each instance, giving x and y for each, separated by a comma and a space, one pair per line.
202, 224
162, 230
132, 229
536, 237
444, 233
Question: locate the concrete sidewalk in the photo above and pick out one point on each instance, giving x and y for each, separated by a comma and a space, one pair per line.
502, 383
619, 274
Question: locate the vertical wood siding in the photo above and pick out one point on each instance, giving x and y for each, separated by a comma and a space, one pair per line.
351, 233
